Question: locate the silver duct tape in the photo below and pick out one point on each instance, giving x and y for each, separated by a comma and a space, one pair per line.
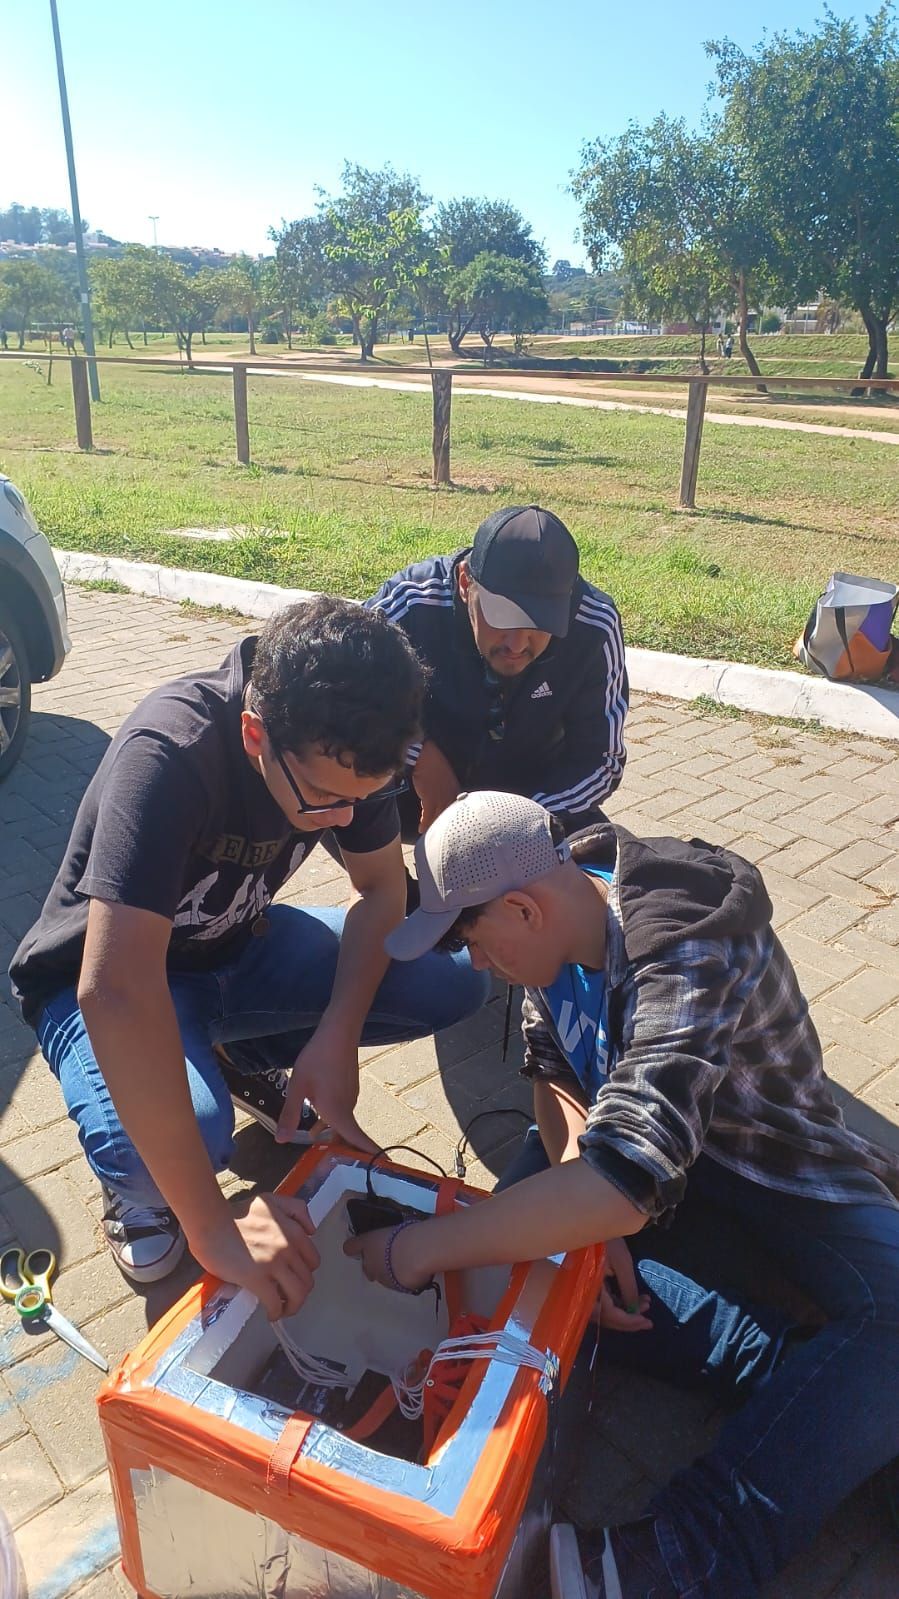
197, 1546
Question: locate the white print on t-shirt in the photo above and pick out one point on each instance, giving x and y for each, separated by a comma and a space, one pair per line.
574, 1027
251, 898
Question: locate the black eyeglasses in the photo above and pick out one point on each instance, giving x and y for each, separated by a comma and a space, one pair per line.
335, 804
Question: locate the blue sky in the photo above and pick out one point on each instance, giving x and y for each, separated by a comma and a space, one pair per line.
220, 116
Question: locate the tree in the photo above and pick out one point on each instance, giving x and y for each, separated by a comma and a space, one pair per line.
298, 283
144, 283
374, 243
466, 228
28, 291
57, 226
562, 271
21, 225
171, 297
112, 297
502, 292
819, 114
242, 291
694, 189
36, 225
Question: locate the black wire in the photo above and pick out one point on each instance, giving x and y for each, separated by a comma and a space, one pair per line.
387, 1150
498, 1110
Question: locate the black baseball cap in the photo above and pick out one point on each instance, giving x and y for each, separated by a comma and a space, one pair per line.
525, 563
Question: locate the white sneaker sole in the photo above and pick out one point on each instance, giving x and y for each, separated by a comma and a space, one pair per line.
566, 1569
155, 1272
566, 1574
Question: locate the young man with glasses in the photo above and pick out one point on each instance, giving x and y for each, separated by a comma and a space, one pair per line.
164, 984
527, 689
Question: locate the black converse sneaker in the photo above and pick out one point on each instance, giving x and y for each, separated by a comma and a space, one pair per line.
262, 1094
147, 1243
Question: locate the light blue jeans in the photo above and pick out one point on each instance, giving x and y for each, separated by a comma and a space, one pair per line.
264, 1007
821, 1410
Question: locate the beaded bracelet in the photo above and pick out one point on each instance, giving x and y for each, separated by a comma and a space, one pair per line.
392, 1278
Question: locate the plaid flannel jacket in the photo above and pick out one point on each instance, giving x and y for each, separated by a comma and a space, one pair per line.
711, 1048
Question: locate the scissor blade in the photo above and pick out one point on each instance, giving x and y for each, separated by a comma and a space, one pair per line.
73, 1338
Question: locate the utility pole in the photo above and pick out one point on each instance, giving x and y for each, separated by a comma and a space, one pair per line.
154, 221
76, 214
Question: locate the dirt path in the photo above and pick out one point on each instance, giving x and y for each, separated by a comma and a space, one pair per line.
555, 391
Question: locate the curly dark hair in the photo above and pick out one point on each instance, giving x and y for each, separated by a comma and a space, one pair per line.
330, 674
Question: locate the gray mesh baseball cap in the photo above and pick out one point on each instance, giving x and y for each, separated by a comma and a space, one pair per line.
483, 845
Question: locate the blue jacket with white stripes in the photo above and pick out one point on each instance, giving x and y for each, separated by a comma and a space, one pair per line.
554, 732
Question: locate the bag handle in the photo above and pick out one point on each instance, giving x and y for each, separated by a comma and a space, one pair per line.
839, 616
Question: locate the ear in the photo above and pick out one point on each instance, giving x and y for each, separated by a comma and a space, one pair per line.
252, 733
465, 581
525, 909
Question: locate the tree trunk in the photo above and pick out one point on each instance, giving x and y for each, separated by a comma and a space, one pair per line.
372, 335
743, 332
144, 331
109, 337
703, 364
22, 333
876, 359
128, 339
252, 332
357, 336
188, 341
202, 335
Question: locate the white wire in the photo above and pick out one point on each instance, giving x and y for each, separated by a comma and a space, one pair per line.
501, 1346
309, 1367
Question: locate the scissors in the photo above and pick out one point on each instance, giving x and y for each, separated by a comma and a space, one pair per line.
25, 1282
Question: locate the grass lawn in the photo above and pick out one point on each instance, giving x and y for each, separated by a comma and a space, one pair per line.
338, 495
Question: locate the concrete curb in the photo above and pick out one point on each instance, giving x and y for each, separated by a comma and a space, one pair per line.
849, 708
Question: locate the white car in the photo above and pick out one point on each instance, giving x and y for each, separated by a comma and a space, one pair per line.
34, 634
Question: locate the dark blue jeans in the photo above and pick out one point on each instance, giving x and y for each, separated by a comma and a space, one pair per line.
815, 1423
264, 1007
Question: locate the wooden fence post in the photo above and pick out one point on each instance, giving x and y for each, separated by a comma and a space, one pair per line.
692, 441
81, 394
442, 385
241, 420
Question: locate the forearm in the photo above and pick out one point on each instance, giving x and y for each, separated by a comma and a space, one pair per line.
137, 1043
565, 1208
362, 961
560, 1120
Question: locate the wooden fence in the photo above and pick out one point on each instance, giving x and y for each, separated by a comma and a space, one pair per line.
441, 380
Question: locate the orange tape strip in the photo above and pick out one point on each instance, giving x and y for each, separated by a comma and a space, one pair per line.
282, 1457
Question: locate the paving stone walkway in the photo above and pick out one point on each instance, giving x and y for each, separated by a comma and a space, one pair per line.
819, 813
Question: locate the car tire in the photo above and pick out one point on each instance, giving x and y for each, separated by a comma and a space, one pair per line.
15, 691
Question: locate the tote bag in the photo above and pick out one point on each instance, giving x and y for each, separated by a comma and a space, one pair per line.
847, 635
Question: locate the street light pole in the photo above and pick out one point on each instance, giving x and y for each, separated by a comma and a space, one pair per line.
76, 214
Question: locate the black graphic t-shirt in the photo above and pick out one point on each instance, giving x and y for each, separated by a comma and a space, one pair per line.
177, 821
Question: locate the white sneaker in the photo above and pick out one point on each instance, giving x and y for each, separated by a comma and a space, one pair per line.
147, 1244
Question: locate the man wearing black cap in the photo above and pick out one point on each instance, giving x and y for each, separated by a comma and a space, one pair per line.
528, 689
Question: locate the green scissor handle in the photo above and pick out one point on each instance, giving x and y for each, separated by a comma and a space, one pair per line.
31, 1301
19, 1272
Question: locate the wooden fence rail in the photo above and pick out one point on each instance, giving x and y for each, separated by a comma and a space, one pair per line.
441, 379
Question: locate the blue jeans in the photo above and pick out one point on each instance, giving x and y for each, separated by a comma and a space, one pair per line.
816, 1422
263, 1007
